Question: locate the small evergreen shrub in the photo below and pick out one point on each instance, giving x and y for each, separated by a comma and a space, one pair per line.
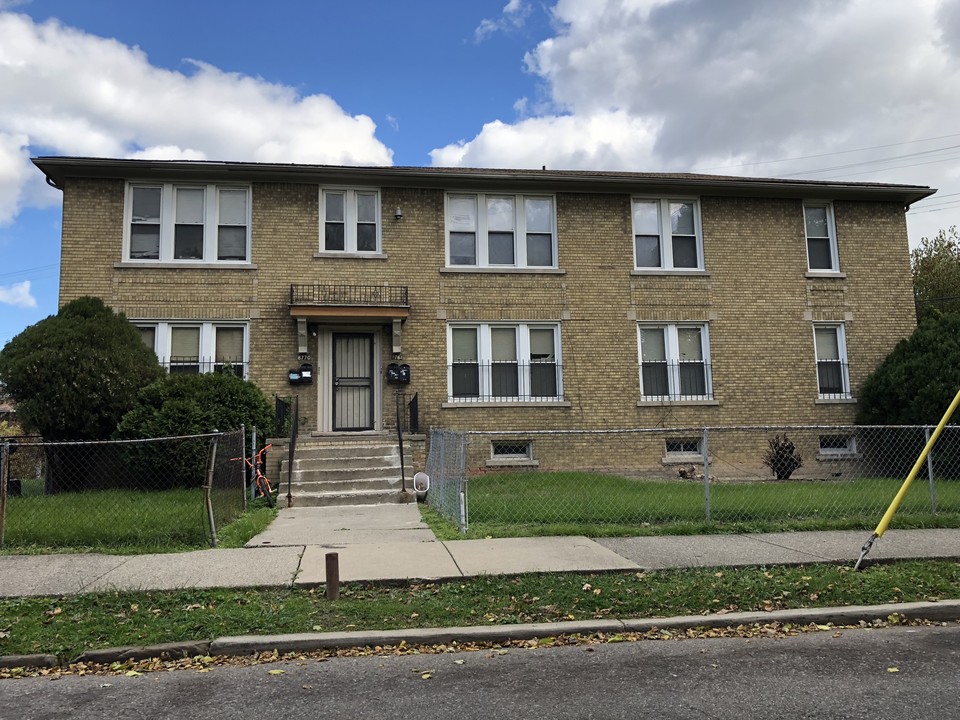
188, 405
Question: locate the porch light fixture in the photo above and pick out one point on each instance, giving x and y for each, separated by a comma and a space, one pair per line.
398, 214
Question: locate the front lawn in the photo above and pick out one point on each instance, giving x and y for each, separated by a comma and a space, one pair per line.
519, 504
118, 521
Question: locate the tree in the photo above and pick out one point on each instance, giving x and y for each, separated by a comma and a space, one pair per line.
76, 373
73, 376
936, 274
916, 383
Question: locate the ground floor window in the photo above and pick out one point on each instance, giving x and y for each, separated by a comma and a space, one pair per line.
504, 362
674, 361
197, 347
830, 347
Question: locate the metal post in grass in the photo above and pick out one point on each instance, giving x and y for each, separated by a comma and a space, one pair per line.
705, 448
4, 472
243, 472
253, 469
208, 487
332, 576
933, 487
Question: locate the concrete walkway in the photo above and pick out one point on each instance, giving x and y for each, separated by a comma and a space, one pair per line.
391, 543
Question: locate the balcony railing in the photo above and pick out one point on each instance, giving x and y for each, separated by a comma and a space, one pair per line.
683, 380
359, 295
505, 382
833, 380
181, 364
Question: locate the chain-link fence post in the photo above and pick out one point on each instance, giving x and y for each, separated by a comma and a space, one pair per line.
462, 481
243, 451
933, 486
4, 473
706, 471
208, 489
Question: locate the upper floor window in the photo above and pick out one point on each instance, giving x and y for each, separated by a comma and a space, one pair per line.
492, 230
504, 362
675, 362
821, 237
351, 220
666, 235
830, 347
197, 347
173, 222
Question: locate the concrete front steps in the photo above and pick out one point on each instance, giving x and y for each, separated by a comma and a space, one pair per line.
345, 470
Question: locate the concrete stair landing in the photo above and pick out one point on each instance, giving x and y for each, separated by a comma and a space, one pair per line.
361, 470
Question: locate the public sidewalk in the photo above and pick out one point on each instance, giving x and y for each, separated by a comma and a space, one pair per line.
390, 543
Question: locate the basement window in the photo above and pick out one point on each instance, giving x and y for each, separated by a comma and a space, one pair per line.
511, 453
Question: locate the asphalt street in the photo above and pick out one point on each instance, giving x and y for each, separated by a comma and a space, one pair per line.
895, 673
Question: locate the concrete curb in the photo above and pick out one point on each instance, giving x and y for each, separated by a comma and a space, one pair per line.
21, 661
164, 651
305, 642
946, 610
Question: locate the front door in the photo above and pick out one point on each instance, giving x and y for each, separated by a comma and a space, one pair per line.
353, 381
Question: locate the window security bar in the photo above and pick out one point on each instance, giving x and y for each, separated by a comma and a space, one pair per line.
184, 364
505, 381
682, 380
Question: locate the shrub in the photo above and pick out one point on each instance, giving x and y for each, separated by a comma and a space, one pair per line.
782, 457
73, 376
189, 405
916, 382
76, 373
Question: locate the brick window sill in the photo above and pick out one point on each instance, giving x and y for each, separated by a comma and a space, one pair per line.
676, 403
504, 270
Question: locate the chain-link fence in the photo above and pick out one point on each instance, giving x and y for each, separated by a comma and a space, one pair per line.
445, 465
166, 493
695, 479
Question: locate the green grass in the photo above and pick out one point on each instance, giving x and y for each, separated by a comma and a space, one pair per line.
67, 625
118, 521
560, 503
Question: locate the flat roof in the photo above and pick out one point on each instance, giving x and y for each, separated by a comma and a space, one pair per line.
59, 168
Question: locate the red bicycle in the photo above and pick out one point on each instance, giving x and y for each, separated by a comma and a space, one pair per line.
260, 481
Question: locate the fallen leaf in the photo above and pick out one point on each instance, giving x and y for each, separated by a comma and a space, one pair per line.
275, 672
132, 673
426, 676
458, 662
893, 669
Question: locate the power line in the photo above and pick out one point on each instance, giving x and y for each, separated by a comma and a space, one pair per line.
829, 154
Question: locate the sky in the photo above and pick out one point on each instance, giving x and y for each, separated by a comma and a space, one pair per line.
862, 90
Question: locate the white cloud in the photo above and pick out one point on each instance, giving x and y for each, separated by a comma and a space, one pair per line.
18, 295
512, 17
73, 93
610, 140
698, 84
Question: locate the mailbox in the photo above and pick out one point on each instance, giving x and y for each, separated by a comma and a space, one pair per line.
302, 375
403, 374
393, 373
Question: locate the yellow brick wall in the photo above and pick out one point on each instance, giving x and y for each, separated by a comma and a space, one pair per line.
755, 295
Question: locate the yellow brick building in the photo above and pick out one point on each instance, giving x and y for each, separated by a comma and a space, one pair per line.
517, 299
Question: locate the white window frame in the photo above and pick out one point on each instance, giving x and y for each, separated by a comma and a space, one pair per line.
163, 338
672, 351
484, 360
850, 450
350, 219
211, 221
666, 234
838, 327
834, 268
525, 454
519, 230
